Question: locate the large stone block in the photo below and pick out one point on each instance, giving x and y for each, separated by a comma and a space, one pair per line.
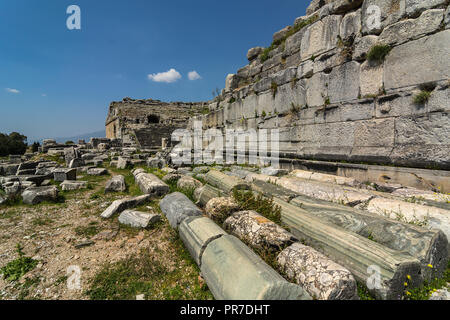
411, 29
375, 133
151, 184
116, 184
386, 12
316, 90
196, 233
136, 219
371, 79
432, 129
395, 105
350, 26
344, 82
428, 55
62, 174
320, 37
234, 272
35, 195
415, 7
363, 46
120, 205
177, 207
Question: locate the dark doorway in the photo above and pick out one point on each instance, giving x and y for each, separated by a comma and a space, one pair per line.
153, 119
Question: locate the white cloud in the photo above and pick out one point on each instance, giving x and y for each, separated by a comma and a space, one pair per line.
193, 75
12, 90
168, 77
44, 94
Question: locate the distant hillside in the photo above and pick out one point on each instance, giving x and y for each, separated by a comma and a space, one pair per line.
86, 137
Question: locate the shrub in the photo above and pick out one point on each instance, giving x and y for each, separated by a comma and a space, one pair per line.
15, 269
378, 53
264, 206
14, 143
422, 97
274, 88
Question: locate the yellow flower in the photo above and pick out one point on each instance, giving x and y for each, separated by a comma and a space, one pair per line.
408, 293
406, 284
430, 266
409, 277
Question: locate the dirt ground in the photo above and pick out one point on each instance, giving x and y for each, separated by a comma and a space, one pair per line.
49, 234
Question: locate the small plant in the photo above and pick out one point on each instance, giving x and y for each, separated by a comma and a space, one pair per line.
264, 206
232, 100
378, 53
422, 97
294, 82
15, 269
263, 114
313, 57
274, 87
429, 287
327, 101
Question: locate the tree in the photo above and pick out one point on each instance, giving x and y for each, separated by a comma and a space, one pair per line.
15, 143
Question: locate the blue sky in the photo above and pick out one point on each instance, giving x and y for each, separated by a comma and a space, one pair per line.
56, 82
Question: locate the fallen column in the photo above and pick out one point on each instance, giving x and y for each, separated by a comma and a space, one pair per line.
329, 178
137, 219
196, 233
270, 190
203, 194
318, 275
219, 209
323, 191
234, 272
358, 254
429, 246
177, 207
224, 182
150, 184
258, 231
426, 216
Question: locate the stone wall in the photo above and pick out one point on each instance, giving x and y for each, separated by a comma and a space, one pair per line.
331, 102
146, 122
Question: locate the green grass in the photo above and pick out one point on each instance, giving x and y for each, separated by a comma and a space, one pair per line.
364, 293
146, 274
427, 289
15, 269
422, 97
88, 231
264, 206
42, 221
378, 53
296, 28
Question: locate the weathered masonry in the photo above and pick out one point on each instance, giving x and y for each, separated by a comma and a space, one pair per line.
146, 122
341, 88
